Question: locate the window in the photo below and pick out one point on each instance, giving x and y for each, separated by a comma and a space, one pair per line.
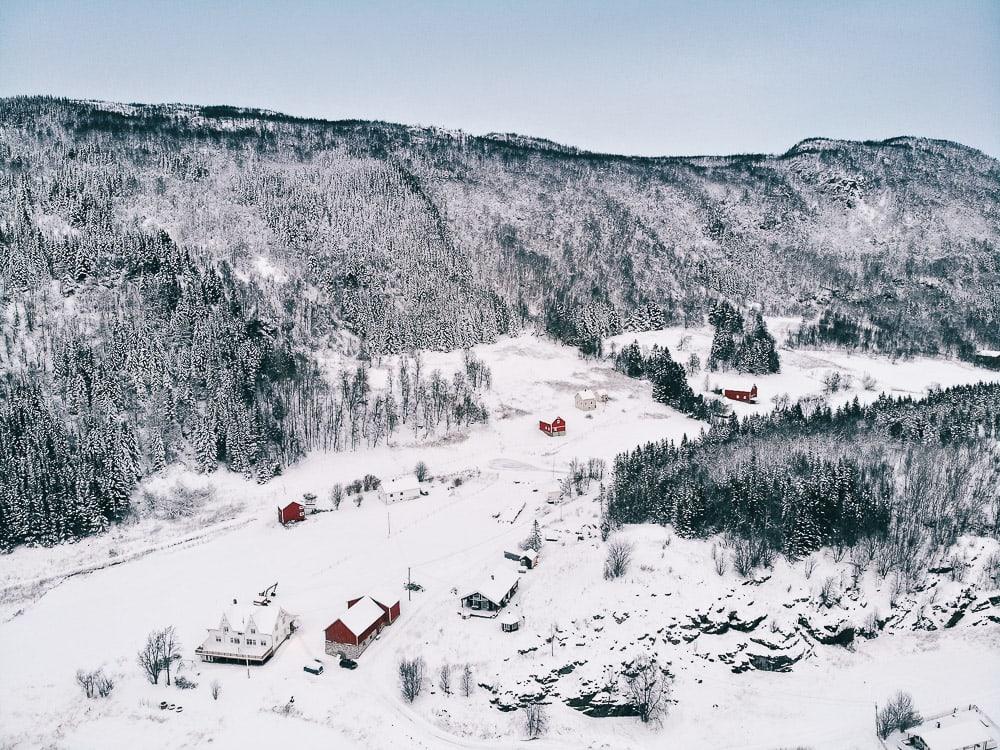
252, 630
218, 639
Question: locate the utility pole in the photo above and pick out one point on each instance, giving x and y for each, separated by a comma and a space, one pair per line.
409, 587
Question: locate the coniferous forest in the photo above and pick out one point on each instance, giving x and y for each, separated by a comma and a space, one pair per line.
905, 477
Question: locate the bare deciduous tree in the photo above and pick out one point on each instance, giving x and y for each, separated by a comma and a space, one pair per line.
171, 650
444, 679
467, 681
215, 689
536, 721
158, 655
420, 471
899, 713
150, 657
647, 685
411, 678
619, 558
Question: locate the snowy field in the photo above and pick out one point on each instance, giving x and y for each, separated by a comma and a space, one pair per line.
91, 604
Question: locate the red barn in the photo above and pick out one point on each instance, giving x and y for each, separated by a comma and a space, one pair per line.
747, 396
292, 512
351, 633
555, 428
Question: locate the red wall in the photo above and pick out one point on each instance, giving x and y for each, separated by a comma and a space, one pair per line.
292, 512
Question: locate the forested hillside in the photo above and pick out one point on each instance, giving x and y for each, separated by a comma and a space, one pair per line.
902, 478
171, 275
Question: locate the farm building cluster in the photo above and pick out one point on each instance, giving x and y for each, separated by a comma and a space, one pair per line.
490, 595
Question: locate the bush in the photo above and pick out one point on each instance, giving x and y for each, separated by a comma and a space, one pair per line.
95, 684
215, 689
616, 564
185, 684
179, 500
420, 471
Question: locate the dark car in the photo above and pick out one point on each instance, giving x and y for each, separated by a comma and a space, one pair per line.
348, 664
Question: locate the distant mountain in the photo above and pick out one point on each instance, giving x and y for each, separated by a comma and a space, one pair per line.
171, 275
423, 237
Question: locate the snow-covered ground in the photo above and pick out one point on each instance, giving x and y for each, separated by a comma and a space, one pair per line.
91, 604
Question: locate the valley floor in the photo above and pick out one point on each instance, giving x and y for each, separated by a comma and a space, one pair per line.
92, 603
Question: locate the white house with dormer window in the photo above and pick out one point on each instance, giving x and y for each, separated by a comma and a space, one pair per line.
247, 635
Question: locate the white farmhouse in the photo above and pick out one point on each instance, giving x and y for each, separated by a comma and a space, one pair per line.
405, 487
964, 728
586, 400
247, 635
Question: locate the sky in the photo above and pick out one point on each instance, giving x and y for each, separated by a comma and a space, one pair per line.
649, 78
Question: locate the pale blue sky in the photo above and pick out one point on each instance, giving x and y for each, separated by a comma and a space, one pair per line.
628, 77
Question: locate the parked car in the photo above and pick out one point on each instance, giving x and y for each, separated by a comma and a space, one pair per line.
348, 664
313, 668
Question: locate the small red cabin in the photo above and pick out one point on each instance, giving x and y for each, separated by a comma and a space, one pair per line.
292, 512
747, 396
555, 428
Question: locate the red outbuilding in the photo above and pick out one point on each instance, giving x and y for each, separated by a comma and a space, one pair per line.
747, 396
292, 512
555, 428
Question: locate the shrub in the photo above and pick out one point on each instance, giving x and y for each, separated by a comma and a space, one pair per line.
95, 684
616, 564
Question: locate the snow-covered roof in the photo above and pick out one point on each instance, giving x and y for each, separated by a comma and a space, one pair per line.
988, 353
966, 733
495, 585
530, 554
587, 395
264, 618
510, 617
362, 615
405, 483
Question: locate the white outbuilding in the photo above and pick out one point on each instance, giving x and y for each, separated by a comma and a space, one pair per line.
586, 400
406, 487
